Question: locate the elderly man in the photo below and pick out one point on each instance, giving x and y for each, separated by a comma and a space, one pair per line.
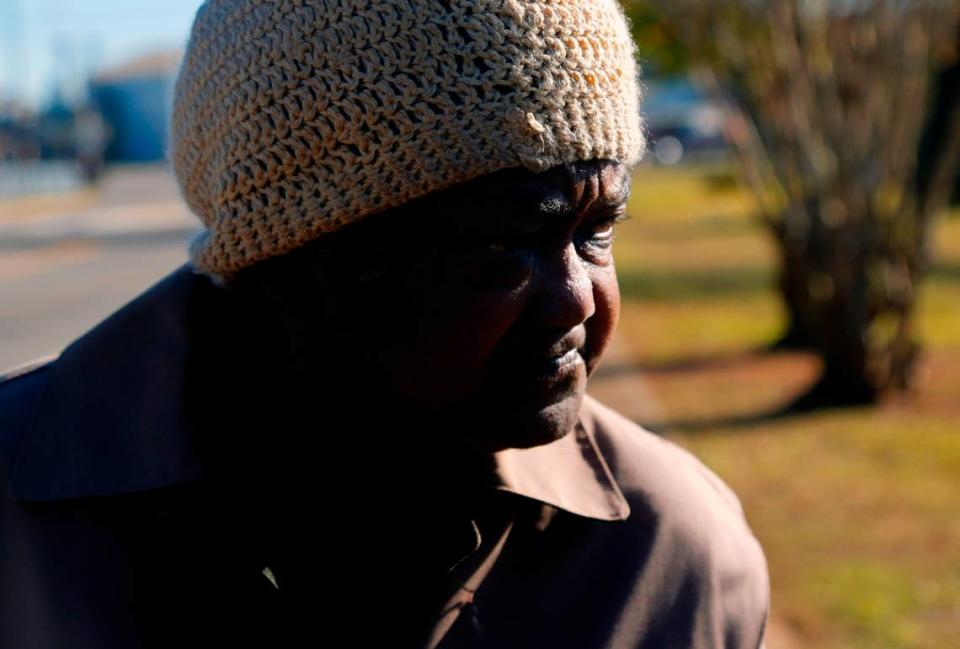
358, 416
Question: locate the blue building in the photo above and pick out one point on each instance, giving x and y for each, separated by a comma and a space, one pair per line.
135, 101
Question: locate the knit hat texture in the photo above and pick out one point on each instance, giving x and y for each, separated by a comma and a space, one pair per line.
292, 118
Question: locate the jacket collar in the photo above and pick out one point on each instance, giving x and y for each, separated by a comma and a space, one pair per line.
115, 416
112, 417
570, 474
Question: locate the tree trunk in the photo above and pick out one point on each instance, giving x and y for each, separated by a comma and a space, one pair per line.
794, 282
849, 286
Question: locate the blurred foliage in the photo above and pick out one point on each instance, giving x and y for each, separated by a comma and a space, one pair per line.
658, 45
826, 104
855, 507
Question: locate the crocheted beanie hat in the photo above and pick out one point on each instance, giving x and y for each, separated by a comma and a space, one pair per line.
292, 118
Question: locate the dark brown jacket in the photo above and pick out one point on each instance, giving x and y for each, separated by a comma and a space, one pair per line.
122, 528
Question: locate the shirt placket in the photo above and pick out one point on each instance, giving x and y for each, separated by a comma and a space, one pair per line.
459, 623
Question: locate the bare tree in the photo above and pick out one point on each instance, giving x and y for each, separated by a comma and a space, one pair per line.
828, 100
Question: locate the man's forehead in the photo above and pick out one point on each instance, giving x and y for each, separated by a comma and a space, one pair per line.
551, 193
515, 198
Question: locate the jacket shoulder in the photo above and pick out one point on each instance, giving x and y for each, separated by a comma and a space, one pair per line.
701, 534
651, 463
644, 461
20, 390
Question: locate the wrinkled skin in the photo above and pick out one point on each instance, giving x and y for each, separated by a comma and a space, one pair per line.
445, 311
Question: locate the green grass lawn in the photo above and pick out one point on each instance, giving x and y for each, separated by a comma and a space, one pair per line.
858, 509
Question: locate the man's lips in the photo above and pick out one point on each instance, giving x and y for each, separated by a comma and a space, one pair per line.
541, 369
556, 364
535, 352
545, 380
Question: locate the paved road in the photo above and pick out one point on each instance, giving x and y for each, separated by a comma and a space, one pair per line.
49, 296
68, 261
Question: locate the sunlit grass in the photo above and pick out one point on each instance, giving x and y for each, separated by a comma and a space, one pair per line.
857, 509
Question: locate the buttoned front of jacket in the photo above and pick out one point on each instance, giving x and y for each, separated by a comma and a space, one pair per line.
117, 533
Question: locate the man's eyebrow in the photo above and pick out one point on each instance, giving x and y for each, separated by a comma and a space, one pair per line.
531, 205
555, 205
546, 200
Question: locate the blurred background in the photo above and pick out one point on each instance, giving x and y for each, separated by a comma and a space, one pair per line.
790, 274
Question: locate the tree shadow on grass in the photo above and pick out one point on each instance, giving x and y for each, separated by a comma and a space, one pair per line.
704, 425
677, 286
947, 271
687, 364
810, 396
796, 407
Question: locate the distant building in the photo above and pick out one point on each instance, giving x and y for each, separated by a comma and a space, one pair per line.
55, 130
134, 100
18, 138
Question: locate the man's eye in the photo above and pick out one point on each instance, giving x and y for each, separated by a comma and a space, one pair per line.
601, 232
492, 263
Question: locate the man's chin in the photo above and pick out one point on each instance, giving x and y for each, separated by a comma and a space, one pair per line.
528, 427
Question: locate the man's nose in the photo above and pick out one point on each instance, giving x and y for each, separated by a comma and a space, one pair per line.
565, 289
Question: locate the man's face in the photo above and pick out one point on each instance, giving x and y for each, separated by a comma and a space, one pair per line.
497, 334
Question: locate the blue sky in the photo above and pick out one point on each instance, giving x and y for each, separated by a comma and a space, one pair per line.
45, 40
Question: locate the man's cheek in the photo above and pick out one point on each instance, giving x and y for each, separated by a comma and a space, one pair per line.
608, 295
471, 325
464, 344
603, 324
442, 362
